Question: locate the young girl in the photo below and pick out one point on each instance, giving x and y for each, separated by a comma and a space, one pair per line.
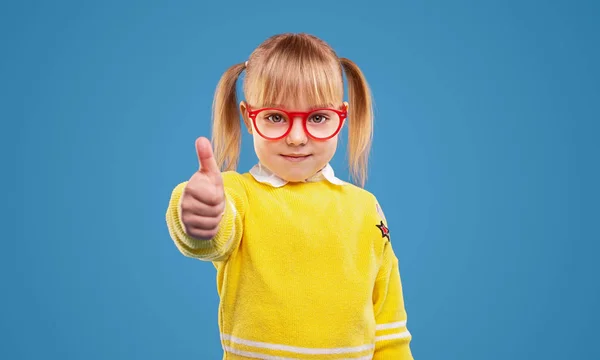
305, 266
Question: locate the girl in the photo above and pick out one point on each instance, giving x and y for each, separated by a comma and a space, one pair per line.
305, 267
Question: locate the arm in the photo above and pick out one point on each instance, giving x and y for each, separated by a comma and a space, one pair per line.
392, 338
230, 229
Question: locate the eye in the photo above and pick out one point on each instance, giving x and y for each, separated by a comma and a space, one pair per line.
275, 118
318, 118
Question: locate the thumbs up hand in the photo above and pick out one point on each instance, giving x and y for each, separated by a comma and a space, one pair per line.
203, 199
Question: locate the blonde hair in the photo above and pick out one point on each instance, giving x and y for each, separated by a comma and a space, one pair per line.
275, 71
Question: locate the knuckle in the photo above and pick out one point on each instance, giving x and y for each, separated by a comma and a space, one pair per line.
185, 204
187, 210
186, 196
188, 230
214, 223
217, 196
212, 233
185, 215
214, 198
220, 209
209, 196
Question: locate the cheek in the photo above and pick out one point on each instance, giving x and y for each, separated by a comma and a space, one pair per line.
329, 147
261, 146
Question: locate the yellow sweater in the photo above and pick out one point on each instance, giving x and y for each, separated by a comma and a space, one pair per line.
304, 271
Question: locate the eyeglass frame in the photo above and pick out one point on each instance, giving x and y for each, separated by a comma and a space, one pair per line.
292, 115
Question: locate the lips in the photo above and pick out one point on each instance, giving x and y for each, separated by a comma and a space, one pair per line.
295, 157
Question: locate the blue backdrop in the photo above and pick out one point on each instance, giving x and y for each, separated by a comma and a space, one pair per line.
485, 162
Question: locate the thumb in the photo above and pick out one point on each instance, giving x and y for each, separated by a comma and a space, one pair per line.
206, 159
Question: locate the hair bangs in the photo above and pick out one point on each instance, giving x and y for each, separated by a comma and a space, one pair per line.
294, 80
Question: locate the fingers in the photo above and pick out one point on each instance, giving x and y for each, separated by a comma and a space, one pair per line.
202, 223
201, 209
206, 160
206, 193
201, 228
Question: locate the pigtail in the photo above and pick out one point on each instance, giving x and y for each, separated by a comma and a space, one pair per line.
360, 124
226, 131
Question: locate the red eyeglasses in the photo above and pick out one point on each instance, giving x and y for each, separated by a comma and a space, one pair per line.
319, 124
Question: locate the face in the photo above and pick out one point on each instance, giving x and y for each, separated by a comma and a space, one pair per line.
295, 157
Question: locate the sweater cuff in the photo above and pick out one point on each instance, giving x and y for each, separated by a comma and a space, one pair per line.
204, 249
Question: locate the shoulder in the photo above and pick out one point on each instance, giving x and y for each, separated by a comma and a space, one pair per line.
364, 197
370, 206
231, 176
234, 180
240, 182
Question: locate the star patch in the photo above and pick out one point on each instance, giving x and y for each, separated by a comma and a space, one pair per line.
385, 232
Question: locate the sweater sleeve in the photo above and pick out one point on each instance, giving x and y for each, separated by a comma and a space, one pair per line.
392, 338
230, 228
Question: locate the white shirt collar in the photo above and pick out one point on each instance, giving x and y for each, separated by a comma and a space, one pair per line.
264, 175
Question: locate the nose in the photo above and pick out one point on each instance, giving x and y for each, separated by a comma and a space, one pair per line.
297, 136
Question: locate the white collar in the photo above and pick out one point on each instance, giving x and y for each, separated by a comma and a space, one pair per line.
264, 175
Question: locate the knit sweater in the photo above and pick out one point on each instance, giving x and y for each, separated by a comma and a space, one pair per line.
304, 271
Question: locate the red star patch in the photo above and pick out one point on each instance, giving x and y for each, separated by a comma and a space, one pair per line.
385, 232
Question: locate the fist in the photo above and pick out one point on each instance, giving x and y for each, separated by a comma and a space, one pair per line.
203, 199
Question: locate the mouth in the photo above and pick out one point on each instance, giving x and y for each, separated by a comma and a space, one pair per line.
295, 157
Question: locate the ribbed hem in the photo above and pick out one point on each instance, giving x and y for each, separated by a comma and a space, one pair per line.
244, 348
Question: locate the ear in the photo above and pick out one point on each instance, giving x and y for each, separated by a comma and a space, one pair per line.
346, 107
244, 112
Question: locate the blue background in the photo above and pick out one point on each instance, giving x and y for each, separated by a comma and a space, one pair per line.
485, 161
